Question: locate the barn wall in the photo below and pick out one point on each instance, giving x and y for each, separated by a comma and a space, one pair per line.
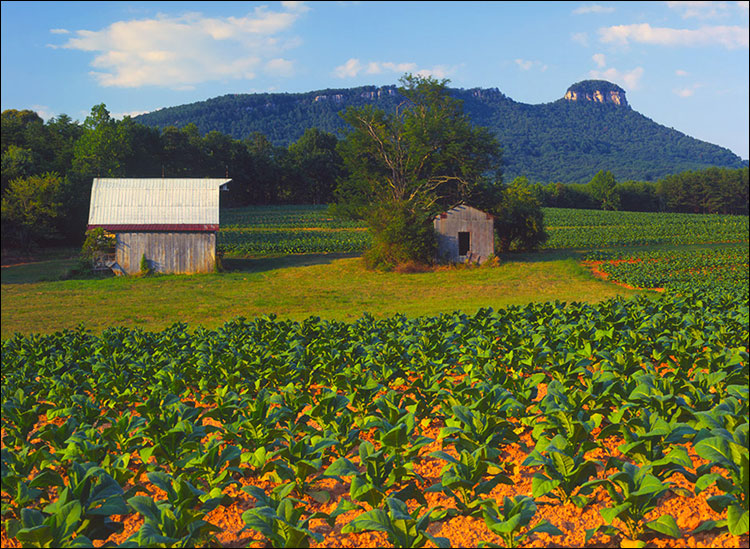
167, 252
465, 219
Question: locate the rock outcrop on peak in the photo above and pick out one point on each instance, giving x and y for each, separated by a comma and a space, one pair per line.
597, 91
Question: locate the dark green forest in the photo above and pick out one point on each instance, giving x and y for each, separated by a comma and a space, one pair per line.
560, 141
48, 168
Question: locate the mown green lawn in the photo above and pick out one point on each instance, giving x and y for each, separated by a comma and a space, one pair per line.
296, 287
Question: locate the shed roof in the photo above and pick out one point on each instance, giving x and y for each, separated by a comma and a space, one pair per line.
465, 210
155, 204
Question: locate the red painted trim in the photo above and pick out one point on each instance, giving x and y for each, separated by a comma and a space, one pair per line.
204, 228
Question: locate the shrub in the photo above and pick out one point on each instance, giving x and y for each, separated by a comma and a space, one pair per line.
519, 220
145, 265
400, 236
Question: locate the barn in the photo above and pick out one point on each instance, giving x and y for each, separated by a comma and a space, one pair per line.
171, 222
464, 234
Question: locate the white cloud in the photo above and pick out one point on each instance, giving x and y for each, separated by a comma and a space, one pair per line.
438, 71
43, 111
353, 67
121, 115
350, 69
375, 67
680, 72
687, 91
628, 79
600, 60
180, 52
296, 6
593, 8
731, 37
59, 31
580, 38
702, 10
526, 65
280, 67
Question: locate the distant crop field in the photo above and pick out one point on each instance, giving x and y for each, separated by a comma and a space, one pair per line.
311, 229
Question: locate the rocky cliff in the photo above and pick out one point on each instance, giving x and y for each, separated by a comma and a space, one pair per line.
597, 91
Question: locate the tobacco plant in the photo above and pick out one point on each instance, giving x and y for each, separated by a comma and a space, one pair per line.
511, 521
178, 520
280, 519
384, 474
730, 452
402, 528
467, 479
634, 493
566, 469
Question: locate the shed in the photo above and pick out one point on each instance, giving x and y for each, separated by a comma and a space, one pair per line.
464, 234
171, 222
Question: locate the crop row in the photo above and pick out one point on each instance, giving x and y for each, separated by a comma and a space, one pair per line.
291, 241
284, 217
201, 412
569, 228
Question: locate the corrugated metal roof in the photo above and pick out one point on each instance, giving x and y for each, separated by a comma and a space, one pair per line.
135, 202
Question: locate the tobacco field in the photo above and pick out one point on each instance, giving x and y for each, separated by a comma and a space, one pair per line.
617, 424
267, 230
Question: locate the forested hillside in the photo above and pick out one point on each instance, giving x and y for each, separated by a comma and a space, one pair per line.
563, 141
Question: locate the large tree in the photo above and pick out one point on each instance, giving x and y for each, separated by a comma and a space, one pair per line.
30, 208
405, 166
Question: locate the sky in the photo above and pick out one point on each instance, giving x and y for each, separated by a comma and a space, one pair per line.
682, 64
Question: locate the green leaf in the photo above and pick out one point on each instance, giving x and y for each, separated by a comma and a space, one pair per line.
38, 536
146, 507
376, 519
715, 449
545, 527
665, 524
737, 520
542, 485
611, 513
342, 467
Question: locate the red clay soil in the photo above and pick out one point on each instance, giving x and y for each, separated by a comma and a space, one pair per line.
595, 267
688, 512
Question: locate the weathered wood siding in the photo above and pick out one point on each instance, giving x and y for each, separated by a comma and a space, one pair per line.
478, 224
167, 252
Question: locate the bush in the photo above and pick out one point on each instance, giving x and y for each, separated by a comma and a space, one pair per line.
519, 220
145, 265
400, 236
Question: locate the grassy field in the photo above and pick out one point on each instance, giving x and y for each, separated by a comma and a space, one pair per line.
329, 286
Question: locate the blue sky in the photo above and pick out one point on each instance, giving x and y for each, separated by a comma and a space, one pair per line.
683, 64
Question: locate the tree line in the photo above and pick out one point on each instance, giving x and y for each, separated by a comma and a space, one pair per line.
708, 191
47, 170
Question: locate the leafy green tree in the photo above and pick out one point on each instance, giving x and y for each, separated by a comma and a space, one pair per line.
30, 208
603, 189
314, 165
101, 150
17, 162
519, 220
421, 158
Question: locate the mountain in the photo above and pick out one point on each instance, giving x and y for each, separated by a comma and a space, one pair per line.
591, 128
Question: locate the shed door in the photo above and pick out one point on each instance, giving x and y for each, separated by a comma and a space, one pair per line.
464, 243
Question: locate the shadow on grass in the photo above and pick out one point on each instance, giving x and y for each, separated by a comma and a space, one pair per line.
261, 264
